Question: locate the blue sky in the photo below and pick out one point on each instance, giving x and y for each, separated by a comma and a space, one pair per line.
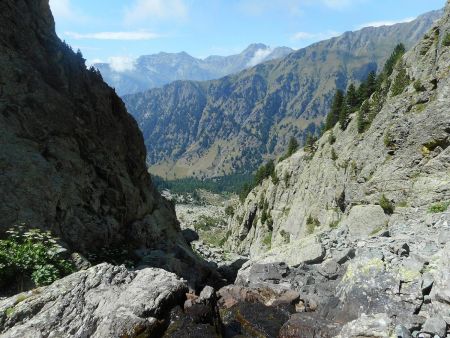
120, 30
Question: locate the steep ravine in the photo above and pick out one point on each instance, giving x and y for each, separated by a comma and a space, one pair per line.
72, 161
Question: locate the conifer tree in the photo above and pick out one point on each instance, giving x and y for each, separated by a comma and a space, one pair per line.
333, 115
361, 93
343, 114
292, 146
398, 52
371, 84
363, 114
352, 98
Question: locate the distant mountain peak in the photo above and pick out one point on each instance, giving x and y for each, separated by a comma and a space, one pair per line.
156, 70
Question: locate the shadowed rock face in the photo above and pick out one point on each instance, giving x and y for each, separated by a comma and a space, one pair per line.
72, 160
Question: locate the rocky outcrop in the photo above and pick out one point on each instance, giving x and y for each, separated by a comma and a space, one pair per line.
358, 225
103, 301
72, 160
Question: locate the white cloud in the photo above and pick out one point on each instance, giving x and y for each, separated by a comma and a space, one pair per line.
155, 9
301, 36
259, 56
137, 35
384, 23
121, 64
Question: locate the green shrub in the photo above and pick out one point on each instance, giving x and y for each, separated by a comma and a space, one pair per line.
418, 86
229, 211
439, 207
267, 241
286, 236
334, 224
205, 223
334, 156
311, 224
387, 205
31, 255
446, 41
331, 138
275, 179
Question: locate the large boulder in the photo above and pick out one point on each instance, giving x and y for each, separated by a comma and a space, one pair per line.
364, 220
103, 301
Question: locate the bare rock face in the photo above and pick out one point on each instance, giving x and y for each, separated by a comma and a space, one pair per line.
72, 160
103, 301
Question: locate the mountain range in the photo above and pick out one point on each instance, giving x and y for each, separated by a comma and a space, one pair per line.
157, 70
233, 124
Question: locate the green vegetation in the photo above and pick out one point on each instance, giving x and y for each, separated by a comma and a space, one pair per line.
311, 224
331, 138
286, 236
292, 148
229, 211
446, 41
396, 55
418, 86
334, 156
205, 223
219, 185
439, 207
336, 108
310, 144
9, 312
265, 171
267, 241
401, 81
31, 255
334, 224
387, 205
369, 97
363, 113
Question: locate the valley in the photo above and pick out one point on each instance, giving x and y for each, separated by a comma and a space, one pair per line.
307, 195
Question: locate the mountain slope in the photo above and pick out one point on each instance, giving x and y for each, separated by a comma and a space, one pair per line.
151, 71
232, 124
359, 223
72, 160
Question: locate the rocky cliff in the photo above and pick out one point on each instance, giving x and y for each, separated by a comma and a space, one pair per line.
233, 124
72, 160
358, 224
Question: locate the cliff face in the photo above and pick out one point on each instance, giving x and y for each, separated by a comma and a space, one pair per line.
403, 156
233, 124
72, 160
